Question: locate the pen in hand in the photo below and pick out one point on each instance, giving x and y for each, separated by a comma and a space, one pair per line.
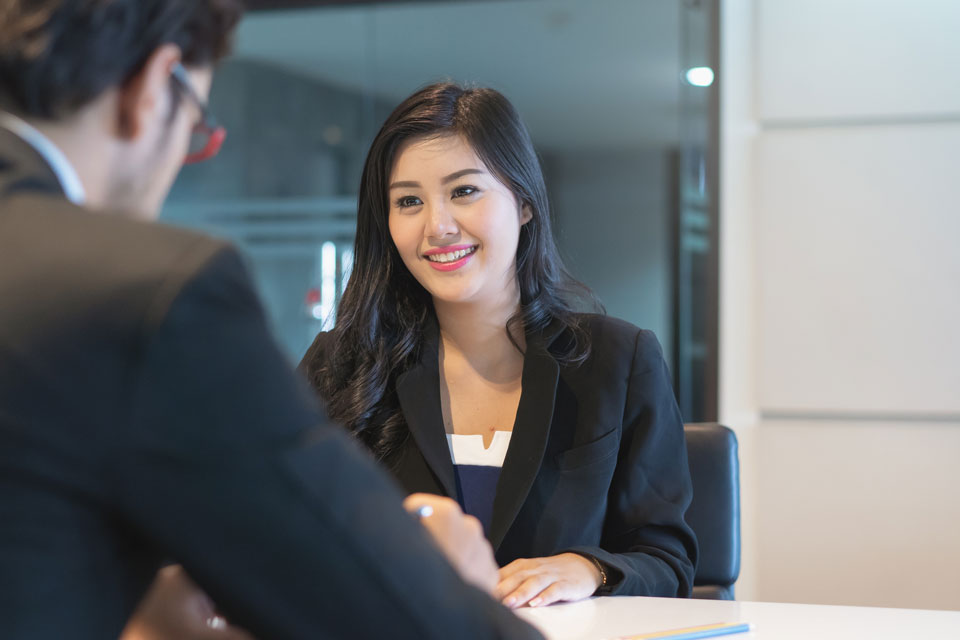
424, 511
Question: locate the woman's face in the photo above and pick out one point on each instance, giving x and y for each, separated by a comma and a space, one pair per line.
454, 224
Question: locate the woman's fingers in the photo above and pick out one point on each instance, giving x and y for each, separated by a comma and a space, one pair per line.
512, 575
515, 566
507, 585
542, 581
527, 590
556, 592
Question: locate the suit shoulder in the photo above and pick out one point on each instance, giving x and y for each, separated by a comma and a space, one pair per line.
98, 262
156, 243
616, 338
604, 330
101, 236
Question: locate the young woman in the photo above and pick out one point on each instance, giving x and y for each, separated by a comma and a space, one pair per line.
458, 360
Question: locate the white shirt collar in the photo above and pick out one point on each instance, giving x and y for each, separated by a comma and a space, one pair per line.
66, 175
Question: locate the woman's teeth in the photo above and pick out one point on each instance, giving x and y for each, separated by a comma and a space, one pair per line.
452, 256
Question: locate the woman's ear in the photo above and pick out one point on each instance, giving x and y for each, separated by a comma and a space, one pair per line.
526, 214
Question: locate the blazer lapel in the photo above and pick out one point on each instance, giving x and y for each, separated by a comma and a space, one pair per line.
530, 433
418, 390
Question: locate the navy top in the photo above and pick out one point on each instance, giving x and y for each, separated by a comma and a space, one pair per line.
477, 471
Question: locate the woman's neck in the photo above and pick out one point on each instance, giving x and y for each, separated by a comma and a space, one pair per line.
477, 334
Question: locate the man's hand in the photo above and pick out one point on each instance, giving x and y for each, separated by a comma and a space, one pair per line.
460, 538
176, 609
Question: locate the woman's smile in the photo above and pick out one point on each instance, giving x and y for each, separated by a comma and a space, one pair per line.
450, 258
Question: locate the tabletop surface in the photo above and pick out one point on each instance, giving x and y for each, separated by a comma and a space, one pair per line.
606, 618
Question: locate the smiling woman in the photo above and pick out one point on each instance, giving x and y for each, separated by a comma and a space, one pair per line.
464, 224
459, 361
409, 203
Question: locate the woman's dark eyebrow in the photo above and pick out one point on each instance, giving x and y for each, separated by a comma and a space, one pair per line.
459, 174
406, 184
411, 184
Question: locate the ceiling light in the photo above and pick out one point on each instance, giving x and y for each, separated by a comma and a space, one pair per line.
700, 76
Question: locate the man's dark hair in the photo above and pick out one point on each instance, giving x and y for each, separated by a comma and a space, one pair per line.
56, 56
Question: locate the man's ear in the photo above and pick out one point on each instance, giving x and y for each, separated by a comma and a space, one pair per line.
141, 96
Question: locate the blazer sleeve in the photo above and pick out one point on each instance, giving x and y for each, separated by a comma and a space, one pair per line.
646, 541
229, 469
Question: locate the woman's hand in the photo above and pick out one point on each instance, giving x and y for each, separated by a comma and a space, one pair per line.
176, 609
542, 581
459, 537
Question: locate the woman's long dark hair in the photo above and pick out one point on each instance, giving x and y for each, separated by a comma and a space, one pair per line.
380, 320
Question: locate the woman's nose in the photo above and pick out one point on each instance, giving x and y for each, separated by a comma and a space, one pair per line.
441, 223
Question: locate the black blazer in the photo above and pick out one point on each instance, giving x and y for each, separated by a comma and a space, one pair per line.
145, 414
597, 462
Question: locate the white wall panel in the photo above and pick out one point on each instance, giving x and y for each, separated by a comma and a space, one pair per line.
848, 307
842, 59
859, 269
859, 514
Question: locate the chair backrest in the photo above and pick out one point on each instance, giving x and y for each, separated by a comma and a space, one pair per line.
714, 514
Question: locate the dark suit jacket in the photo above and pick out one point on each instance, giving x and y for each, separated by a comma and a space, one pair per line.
597, 462
145, 414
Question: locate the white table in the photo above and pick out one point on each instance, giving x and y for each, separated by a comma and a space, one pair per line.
601, 618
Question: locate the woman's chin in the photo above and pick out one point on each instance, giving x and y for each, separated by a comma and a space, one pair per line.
454, 295
446, 297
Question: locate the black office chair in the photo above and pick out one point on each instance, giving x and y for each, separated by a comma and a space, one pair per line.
714, 514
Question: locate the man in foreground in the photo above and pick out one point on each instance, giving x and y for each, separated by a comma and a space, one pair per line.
145, 413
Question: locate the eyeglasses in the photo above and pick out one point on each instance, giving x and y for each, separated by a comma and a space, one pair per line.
207, 136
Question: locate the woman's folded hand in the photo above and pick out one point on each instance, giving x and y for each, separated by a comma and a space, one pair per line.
541, 581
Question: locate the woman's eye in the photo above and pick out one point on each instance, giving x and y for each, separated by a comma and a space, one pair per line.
461, 192
408, 201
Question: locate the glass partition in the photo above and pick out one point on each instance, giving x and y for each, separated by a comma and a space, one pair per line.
627, 143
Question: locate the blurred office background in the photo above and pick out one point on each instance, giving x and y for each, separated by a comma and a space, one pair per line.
786, 227
627, 143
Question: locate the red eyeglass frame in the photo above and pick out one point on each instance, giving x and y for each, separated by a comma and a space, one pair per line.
208, 126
